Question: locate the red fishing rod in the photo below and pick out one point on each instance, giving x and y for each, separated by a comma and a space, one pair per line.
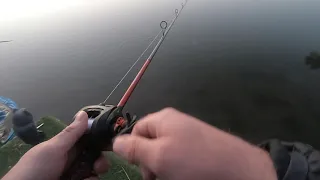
105, 121
143, 69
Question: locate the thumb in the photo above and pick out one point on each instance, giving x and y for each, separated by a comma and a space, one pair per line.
135, 149
70, 135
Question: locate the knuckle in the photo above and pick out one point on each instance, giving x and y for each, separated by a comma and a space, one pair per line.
132, 150
162, 113
69, 129
161, 158
159, 162
168, 110
151, 116
139, 126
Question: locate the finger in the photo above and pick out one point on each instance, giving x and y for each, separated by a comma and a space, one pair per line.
147, 174
150, 125
135, 149
101, 165
70, 135
146, 127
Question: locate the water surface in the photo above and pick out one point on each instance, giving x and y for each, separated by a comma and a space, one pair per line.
236, 64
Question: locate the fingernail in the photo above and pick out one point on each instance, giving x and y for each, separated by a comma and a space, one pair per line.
75, 116
78, 116
119, 146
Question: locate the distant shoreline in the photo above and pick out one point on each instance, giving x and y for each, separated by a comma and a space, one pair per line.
5, 41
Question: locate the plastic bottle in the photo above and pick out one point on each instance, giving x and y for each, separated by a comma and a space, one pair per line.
7, 107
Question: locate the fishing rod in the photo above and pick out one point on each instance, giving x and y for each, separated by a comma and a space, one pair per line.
133, 85
136, 80
105, 121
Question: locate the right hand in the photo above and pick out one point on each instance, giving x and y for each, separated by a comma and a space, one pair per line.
171, 145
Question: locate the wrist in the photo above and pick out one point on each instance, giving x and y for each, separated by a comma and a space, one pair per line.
251, 163
262, 165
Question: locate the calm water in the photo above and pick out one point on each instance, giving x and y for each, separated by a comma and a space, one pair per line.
237, 64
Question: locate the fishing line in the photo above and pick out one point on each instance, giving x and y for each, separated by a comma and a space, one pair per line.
125, 75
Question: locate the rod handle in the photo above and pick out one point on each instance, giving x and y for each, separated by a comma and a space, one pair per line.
81, 160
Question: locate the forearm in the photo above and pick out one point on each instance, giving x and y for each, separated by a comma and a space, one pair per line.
36, 165
21, 172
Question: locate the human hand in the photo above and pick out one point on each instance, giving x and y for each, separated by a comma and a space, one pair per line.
171, 145
49, 159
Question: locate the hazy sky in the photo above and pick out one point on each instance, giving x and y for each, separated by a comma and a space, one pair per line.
13, 10
20, 9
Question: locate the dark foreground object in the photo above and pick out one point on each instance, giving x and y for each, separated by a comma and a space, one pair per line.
313, 60
294, 161
25, 127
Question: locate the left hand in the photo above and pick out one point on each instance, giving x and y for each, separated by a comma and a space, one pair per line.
48, 159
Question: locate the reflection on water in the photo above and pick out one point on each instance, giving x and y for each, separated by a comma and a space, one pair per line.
313, 60
236, 64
